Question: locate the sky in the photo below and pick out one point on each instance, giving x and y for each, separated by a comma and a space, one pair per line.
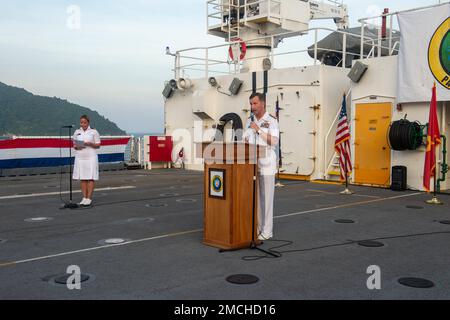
109, 55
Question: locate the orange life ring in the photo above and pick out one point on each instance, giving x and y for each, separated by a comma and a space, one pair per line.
242, 48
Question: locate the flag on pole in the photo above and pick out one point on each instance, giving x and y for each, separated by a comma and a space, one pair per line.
433, 140
342, 142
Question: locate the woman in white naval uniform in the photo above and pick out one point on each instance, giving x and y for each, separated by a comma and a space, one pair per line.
265, 131
86, 159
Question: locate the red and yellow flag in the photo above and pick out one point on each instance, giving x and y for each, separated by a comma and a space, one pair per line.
433, 140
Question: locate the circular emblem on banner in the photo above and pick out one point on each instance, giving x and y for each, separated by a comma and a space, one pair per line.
439, 54
217, 183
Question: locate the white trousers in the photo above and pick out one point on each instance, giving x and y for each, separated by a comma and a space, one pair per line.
265, 205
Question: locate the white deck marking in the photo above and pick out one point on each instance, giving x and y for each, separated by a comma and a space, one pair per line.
7, 264
98, 248
346, 205
365, 196
335, 193
320, 191
20, 196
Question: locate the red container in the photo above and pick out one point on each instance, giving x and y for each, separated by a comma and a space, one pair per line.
161, 149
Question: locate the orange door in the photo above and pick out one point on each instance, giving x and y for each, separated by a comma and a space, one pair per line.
372, 152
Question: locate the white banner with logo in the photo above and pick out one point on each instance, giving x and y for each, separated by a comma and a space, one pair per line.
424, 56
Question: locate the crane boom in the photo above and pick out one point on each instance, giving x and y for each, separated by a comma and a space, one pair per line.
332, 10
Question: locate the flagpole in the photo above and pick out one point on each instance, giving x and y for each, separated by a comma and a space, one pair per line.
435, 200
346, 181
346, 191
435, 182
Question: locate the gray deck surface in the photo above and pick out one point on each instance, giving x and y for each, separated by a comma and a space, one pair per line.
167, 260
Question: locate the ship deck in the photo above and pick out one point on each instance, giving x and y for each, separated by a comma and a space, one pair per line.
160, 214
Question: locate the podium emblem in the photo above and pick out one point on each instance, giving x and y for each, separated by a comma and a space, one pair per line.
217, 183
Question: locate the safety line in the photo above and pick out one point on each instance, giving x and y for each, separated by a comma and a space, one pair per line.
346, 205
98, 248
31, 195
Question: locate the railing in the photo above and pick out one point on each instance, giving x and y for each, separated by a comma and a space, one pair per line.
213, 60
54, 151
210, 60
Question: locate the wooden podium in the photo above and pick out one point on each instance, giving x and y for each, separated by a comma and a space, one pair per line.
228, 188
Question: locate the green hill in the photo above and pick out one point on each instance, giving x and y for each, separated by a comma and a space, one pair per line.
25, 114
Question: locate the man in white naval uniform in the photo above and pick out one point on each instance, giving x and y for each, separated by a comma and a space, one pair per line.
264, 128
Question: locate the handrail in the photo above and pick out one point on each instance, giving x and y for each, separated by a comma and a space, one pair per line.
198, 64
365, 40
397, 12
393, 48
218, 62
282, 34
218, 9
371, 52
202, 70
203, 59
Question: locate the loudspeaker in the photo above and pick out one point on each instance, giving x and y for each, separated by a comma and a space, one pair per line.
235, 86
357, 71
399, 174
168, 90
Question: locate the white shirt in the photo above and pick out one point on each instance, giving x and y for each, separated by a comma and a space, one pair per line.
90, 135
268, 124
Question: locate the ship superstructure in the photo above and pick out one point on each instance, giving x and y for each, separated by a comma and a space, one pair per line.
360, 63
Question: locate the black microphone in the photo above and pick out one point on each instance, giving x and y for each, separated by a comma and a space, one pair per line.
252, 119
68, 126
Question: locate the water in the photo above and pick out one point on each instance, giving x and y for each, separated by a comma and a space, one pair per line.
141, 134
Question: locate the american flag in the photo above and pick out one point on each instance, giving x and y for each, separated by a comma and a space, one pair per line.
342, 143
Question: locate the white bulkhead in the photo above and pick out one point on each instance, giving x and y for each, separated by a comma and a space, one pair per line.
309, 99
379, 85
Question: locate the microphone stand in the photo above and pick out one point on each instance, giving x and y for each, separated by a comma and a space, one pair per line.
253, 244
70, 204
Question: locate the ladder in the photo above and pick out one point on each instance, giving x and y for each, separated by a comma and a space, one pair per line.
232, 13
334, 169
235, 15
